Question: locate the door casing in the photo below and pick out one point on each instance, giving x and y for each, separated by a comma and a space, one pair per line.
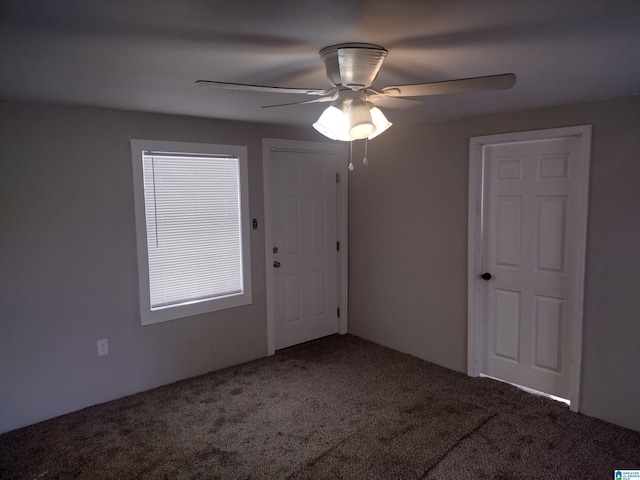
475, 307
337, 152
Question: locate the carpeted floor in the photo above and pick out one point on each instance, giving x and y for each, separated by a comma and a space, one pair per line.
336, 408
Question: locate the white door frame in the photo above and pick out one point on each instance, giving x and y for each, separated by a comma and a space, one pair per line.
475, 308
339, 152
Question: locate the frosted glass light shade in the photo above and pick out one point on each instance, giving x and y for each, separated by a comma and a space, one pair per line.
379, 120
333, 123
360, 123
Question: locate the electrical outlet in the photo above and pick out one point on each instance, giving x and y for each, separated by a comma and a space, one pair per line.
103, 347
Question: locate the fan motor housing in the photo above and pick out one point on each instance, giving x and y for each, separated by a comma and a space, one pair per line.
353, 65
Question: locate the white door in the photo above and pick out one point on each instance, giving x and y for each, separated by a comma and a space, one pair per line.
304, 245
532, 261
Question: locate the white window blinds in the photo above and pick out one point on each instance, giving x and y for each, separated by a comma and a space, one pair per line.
193, 224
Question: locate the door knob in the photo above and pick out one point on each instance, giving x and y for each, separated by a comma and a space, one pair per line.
276, 264
486, 276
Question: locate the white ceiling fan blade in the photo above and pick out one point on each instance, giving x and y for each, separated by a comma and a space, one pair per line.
476, 84
328, 98
260, 88
396, 103
359, 66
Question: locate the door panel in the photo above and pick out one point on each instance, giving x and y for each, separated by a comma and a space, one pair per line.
303, 208
548, 329
551, 233
291, 298
291, 224
507, 324
507, 231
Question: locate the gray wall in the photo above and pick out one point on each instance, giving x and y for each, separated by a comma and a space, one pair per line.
408, 245
68, 271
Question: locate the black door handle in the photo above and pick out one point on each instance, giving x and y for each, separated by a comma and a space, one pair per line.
486, 276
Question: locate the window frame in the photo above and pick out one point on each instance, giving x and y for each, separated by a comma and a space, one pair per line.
188, 309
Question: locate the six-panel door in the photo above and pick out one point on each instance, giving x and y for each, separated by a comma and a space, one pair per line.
530, 234
305, 236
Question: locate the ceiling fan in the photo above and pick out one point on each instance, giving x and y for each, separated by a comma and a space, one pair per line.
351, 69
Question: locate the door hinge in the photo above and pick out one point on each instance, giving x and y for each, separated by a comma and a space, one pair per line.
338, 312
337, 178
338, 246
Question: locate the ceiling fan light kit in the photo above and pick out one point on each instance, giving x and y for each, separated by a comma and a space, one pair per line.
351, 69
351, 119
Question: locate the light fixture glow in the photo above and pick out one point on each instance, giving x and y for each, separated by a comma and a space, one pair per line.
346, 120
360, 123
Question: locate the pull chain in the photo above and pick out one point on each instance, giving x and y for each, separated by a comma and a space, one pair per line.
366, 143
366, 140
351, 156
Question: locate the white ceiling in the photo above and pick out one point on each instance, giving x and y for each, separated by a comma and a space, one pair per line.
146, 54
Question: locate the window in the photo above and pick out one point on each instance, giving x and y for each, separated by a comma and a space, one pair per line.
192, 228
